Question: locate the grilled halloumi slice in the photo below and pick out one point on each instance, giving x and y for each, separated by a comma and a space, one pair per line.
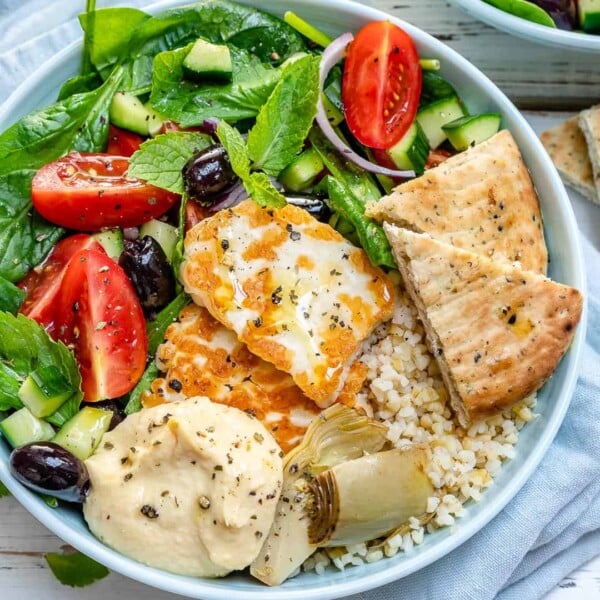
293, 289
201, 357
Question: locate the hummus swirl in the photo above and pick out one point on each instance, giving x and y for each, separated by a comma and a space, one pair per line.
190, 487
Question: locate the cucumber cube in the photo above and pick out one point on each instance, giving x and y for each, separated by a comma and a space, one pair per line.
81, 435
45, 390
22, 428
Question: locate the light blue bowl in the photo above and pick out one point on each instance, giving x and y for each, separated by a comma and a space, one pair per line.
480, 95
534, 32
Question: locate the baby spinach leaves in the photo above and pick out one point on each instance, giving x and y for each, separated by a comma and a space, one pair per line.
25, 238
190, 104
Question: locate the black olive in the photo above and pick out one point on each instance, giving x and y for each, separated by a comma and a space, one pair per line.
317, 207
147, 266
49, 469
116, 409
207, 174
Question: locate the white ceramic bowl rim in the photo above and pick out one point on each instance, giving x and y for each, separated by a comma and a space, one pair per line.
574, 40
354, 580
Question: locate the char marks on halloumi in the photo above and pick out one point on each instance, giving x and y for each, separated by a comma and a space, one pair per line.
293, 289
201, 357
497, 332
481, 200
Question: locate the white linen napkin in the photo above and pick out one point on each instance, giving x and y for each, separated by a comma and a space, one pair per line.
553, 524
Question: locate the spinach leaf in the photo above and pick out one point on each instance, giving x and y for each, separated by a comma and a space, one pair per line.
190, 104
75, 569
435, 87
3, 490
80, 84
156, 329
79, 122
135, 397
11, 297
370, 234
108, 33
159, 161
25, 238
257, 184
25, 346
286, 118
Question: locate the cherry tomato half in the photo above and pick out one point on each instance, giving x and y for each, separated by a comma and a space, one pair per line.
99, 315
42, 284
91, 191
381, 85
122, 142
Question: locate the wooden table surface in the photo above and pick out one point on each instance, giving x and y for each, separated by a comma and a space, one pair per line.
536, 78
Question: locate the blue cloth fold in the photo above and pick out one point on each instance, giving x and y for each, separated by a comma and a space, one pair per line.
550, 528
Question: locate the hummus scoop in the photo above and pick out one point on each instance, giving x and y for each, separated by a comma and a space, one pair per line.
190, 487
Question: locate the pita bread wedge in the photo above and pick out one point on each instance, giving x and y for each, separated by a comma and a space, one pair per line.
589, 123
481, 200
568, 150
497, 332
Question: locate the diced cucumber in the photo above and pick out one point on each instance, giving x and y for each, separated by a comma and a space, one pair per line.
302, 171
44, 391
163, 233
128, 112
208, 61
469, 131
22, 428
155, 122
435, 115
411, 151
82, 434
589, 15
112, 242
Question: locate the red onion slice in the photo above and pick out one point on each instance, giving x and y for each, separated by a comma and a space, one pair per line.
331, 56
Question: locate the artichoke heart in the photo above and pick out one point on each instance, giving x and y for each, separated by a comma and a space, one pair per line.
365, 498
340, 434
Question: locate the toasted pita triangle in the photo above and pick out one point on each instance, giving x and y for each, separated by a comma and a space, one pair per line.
566, 145
481, 200
589, 123
497, 332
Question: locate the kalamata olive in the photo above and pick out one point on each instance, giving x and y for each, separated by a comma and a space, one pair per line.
49, 469
207, 174
147, 266
116, 409
317, 207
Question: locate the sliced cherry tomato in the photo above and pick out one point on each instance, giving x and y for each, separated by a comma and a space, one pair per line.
42, 284
437, 157
122, 142
194, 213
381, 85
91, 191
100, 317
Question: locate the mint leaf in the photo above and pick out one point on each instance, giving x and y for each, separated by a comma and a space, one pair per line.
25, 346
234, 144
286, 118
75, 570
3, 491
263, 192
258, 185
159, 161
11, 297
